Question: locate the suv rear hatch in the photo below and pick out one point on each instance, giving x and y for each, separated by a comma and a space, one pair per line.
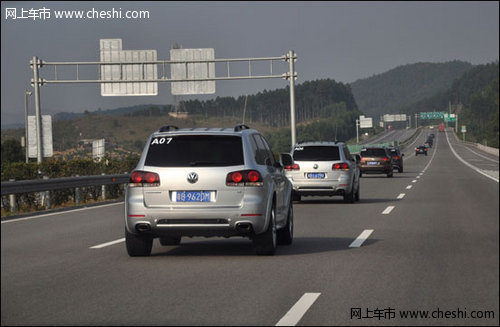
316, 163
193, 171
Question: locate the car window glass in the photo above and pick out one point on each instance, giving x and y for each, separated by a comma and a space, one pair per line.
195, 150
261, 152
373, 153
316, 153
270, 154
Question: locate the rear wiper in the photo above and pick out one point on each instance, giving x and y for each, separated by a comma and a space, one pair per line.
205, 163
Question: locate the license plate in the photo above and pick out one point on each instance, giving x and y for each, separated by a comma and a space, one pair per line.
192, 196
315, 175
372, 163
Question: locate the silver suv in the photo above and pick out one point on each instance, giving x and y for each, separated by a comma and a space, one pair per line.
208, 182
323, 168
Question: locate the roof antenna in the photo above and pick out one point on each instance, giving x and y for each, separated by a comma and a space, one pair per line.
244, 109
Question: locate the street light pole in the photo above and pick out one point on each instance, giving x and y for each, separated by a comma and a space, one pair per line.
26, 95
357, 133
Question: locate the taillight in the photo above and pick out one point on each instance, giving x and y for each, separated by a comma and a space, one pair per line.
340, 166
396, 157
386, 159
144, 178
363, 160
292, 167
244, 178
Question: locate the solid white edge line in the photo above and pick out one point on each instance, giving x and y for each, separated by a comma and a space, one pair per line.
387, 210
293, 316
401, 195
466, 163
59, 213
107, 244
361, 238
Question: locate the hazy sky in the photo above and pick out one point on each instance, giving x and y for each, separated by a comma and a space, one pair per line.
344, 41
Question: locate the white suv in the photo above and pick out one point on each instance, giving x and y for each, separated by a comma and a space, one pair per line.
323, 168
208, 182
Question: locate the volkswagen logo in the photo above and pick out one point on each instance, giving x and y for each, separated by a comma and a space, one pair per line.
315, 166
192, 178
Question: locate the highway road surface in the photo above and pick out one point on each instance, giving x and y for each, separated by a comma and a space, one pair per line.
421, 248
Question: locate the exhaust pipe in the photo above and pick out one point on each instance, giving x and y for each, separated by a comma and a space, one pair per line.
243, 227
142, 227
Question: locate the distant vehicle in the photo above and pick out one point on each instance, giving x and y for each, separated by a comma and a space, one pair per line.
429, 141
421, 149
389, 128
324, 169
376, 160
397, 158
441, 127
208, 182
432, 135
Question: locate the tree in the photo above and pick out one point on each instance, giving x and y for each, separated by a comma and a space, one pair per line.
12, 151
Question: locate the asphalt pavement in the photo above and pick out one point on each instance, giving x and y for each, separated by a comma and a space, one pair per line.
424, 242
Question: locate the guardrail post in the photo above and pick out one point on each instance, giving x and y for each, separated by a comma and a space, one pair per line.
77, 194
103, 190
12, 200
47, 196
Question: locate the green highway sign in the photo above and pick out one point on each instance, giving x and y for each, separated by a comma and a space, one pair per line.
432, 115
449, 117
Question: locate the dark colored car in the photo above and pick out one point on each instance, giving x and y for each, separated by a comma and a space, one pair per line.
422, 149
397, 158
376, 160
429, 141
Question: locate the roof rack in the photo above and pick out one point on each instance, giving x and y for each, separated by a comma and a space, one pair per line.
167, 128
239, 128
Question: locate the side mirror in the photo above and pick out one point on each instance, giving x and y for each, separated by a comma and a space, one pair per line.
286, 159
358, 158
402, 154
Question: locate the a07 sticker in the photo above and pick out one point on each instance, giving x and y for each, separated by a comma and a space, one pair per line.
162, 140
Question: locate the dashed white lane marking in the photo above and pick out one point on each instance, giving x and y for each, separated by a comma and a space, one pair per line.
418, 177
361, 238
293, 316
107, 244
414, 181
421, 174
60, 213
401, 195
387, 210
409, 187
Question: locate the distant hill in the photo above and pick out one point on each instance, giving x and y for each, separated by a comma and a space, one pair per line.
122, 111
475, 98
405, 85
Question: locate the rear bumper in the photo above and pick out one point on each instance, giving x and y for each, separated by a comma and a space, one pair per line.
365, 169
242, 220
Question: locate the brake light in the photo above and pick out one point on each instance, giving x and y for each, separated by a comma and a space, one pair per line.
363, 160
144, 178
340, 166
386, 159
292, 167
396, 157
244, 178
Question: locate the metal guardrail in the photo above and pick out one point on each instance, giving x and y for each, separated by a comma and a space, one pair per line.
40, 185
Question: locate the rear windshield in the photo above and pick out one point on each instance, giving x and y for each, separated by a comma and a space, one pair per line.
373, 153
316, 153
195, 151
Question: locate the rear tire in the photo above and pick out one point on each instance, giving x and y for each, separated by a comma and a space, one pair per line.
285, 235
356, 195
400, 170
138, 245
170, 240
390, 174
349, 197
265, 243
296, 197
